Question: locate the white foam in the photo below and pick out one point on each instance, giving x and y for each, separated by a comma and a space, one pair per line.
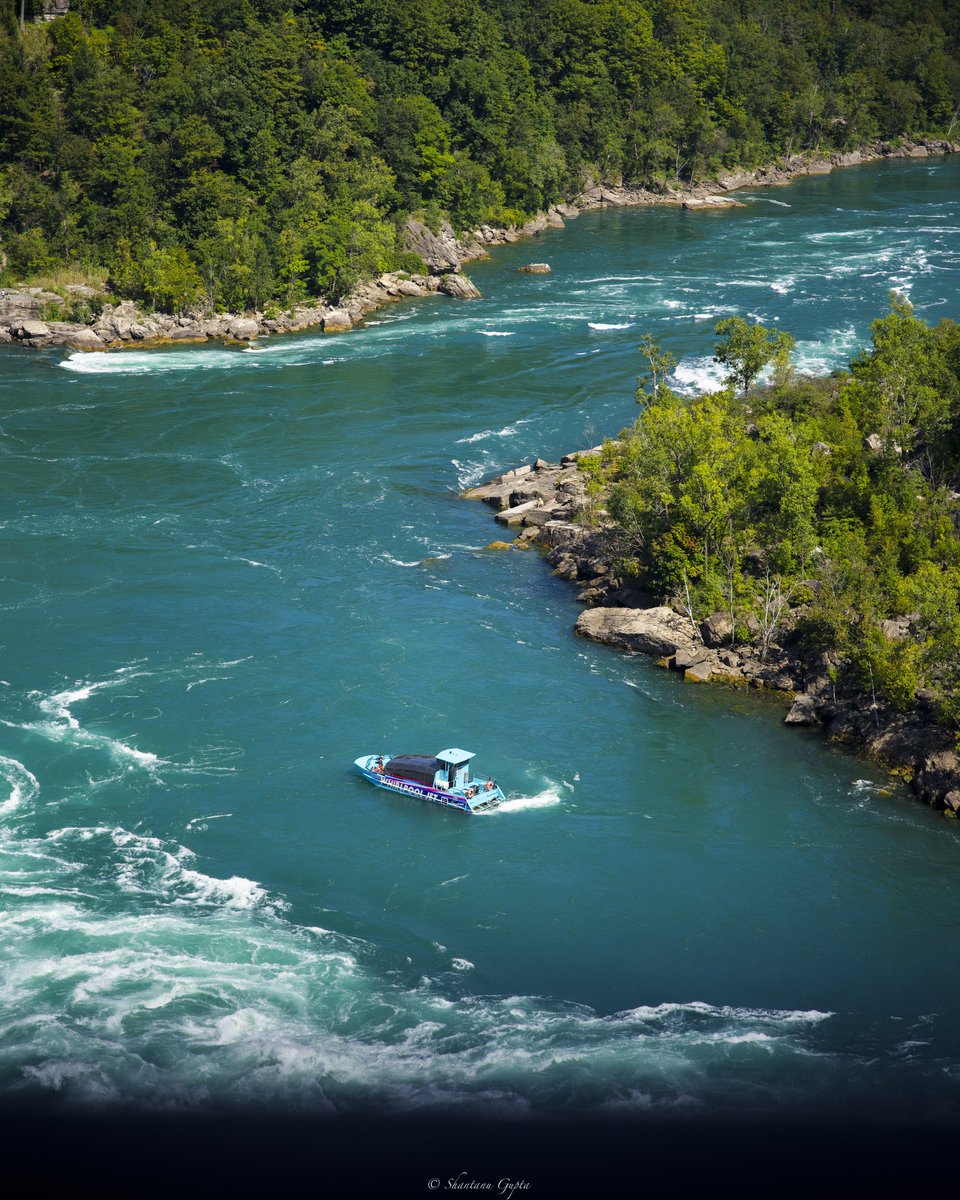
694, 376
23, 784
469, 473
601, 325
150, 362
545, 799
784, 286
484, 434
497, 333
65, 727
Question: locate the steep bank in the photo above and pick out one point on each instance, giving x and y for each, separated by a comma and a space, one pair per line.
543, 505
37, 318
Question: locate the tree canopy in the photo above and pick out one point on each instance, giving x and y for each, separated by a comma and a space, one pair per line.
230, 153
841, 491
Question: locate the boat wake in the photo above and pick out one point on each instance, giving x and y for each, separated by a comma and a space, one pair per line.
545, 799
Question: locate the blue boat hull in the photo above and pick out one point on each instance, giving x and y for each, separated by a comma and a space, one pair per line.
482, 800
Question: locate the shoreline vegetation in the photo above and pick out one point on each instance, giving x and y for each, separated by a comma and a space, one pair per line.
799, 537
178, 171
80, 317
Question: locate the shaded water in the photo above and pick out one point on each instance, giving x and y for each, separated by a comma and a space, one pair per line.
228, 573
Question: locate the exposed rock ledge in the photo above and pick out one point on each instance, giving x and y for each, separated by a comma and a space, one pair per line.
23, 312
541, 502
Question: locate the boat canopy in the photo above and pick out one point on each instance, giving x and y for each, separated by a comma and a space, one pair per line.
454, 758
419, 767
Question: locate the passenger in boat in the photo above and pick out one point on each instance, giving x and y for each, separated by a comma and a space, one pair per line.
378, 766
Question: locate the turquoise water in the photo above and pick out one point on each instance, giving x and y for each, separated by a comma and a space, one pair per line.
227, 573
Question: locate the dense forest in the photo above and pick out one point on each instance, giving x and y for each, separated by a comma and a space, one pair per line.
230, 154
826, 507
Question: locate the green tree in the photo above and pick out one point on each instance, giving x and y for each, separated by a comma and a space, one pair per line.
746, 349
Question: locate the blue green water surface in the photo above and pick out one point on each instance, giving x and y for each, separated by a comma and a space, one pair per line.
227, 573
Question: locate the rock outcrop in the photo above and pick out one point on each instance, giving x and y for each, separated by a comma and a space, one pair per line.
544, 504
441, 252
656, 631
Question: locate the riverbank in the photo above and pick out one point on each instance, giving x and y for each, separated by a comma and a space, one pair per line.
543, 505
77, 317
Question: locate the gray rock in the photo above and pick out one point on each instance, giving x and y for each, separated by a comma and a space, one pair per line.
657, 631
575, 457
193, 331
459, 287
84, 339
690, 656
536, 269
515, 515
802, 712
700, 672
34, 329
440, 251
711, 202
242, 328
716, 629
337, 320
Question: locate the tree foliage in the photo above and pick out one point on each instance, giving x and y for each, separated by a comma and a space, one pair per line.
280, 144
834, 498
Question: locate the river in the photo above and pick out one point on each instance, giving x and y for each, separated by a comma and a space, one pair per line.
227, 573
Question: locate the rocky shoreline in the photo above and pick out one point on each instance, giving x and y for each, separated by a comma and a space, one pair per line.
541, 504
36, 318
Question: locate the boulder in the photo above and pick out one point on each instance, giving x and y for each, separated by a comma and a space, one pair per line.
939, 773
515, 515
802, 712
459, 287
690, 656
337, 320
34, 329
84, 339
536, 269
717, 630
657, 631
700, 672
242, 328
498, 546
